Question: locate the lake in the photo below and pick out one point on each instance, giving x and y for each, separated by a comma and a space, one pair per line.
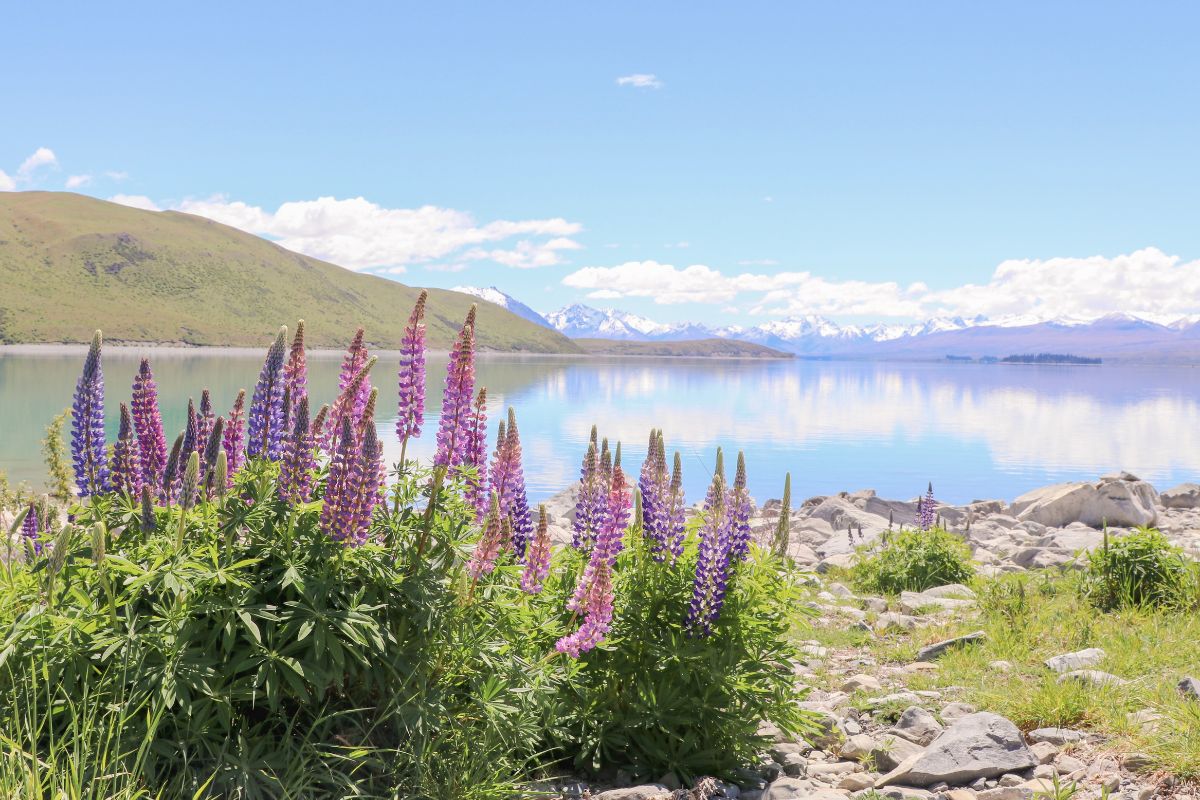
976, 431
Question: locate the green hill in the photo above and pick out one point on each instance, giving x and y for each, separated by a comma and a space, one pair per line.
70, 264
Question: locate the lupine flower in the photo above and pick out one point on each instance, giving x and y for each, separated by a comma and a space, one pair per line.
453, 428
189, 483
205, 419
146, 520
371, 491
295, 470
518, 508
30, 529
190, 441
584, 526
318, 423
712, 564
88, 447
677, 516
537, 556
212, 453
344, 408
654, 487
265, 422
596, 606
927, 510
295, 378
235, 433
739, 508
336, 517
617, 516
483, 558
170, 470
475, 454
147, 422
126, 469
412, 376
355, 484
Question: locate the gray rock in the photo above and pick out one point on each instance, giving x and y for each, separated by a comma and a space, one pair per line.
1080, 659
1092, 677
912, 602
1042, 557
1113, 500
917, 725
1056, 736
953, 712
1189, 687
981, 745
892, 751
1185, 495
794, 789
938, 649
648, 791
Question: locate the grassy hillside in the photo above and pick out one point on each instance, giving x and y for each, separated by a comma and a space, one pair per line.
70, 264
696, 348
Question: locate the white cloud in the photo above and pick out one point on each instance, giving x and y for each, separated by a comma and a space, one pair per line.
1147, 282
445, 267
640, 80
116, 175
359, 234
42, 157
7, 184
76, 181
135, 201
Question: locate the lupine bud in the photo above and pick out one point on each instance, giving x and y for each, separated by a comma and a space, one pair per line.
318, 423
235, 433
783, 528
147, 422
411, 408
126, 469
189, 483
191, 435
212, 452
740, 508
221, 474
452, 435
99, 542
88, 446
295, 377
266, 420
147, 521
537, 556
171, 469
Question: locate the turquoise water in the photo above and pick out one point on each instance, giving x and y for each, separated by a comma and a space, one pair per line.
975, 431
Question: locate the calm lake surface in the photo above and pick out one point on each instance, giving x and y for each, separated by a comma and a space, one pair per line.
976, 431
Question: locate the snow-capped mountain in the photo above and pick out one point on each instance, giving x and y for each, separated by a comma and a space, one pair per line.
493, 295
584, 322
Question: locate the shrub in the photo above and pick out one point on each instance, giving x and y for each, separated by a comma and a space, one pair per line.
1140, 570
913, 561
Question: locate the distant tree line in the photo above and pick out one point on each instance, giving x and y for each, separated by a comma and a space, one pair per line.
1048, 358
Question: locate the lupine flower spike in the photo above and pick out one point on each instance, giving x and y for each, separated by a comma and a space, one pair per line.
455, 422
783, 528
677, 518
740, 507
295, 378
584, 526
88, 447
187, 494
411, 378
483, 559
537, 556
205, 420
265, 422
168, 492
927, 510
146, 519
518, 508
126, 469
295, 470
212, 452
235, 433
147, 423
344, 408
475, 455
712, 564
191, 444
30, 529
594, 600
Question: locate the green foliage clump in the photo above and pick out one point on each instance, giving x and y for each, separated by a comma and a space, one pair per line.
914, 561
1141, 570
54, 452
653, 698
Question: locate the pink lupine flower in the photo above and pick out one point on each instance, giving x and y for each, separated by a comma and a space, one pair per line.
537, 556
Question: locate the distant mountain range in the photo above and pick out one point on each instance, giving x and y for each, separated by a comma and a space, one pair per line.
1114, 337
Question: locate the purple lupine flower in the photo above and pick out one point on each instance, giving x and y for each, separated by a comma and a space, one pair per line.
676, 517
147, 423
170, 471
30, 529
584, 527
344, 408
927, 510
371, 481
235, 434
337, 512
537, 556
191, 435
657, 507
295, 378
596, 606
475, 455
454, 426
739, 508
88, 446
712, 563
126, 469
355, 484
295, 469
484, 556
211, 456
265, 421
204, 425
412, 377
518, 506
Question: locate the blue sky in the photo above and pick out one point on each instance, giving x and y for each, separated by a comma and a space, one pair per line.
858, 160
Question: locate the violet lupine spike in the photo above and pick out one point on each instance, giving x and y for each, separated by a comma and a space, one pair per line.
264, 438
364, 487
205, 419
676, 517
190, 443
653, 485
483, 557
344, 408
167, 491
584, 526
148, 425
126, 470
295, 378
453, 428
30, 529
927, 510
596, 606
518, 509
235, 434
712, 563
476, 454
739, 507
618, 508
647, 487
88, 445
337, 513
213, 449
537, 556
411, 378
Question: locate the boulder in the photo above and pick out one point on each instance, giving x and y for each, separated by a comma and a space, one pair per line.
917, 725
1080, 659
1189, 688
980, 745
794, 789
1185, 495
937, 649
1092, 677
1056, 736
649, 791
1114, 500
892, 751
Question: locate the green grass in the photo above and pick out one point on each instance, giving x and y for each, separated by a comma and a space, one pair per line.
1029, 618
70, 264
